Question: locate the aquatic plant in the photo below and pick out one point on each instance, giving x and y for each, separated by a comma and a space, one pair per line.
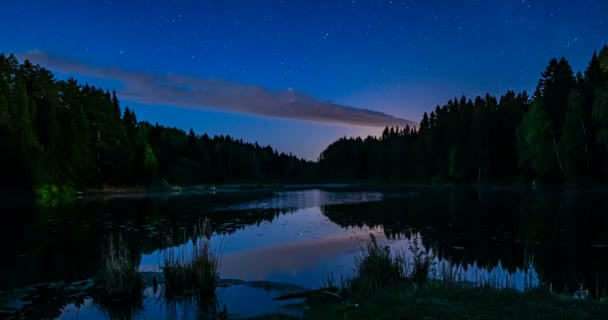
376, 268
331, 282
202, 305
125, 309
196, 270
118, 279
379, 266
423, 262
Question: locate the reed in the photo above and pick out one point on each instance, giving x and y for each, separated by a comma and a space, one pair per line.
118, 278
193, 270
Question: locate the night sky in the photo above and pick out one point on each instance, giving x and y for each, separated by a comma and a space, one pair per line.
290, 73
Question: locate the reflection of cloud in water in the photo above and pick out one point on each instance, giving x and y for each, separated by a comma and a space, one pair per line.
292, 258
305, 246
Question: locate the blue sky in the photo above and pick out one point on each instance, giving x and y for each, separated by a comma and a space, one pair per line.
398, 57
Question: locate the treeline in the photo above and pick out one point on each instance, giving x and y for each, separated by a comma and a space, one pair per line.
65, 133
559, 134
55, 132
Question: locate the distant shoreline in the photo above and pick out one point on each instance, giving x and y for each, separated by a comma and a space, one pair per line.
380, 186
125, 192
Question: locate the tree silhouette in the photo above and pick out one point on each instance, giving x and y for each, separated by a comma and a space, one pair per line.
65, 133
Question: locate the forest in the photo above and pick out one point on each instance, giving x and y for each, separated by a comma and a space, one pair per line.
557, 135
55, 132
60, 132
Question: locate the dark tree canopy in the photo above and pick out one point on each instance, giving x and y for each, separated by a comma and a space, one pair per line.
559, 134
64, 133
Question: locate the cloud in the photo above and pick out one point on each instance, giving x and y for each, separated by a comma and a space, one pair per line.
184, 91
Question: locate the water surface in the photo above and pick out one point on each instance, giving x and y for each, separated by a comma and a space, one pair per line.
498, 238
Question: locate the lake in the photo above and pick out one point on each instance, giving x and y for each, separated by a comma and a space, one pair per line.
489, 237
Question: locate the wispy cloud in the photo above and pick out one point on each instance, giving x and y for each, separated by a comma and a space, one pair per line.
184, 91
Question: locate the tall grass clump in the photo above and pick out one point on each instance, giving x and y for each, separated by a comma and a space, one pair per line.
377, 268
118, 278
204, 305
422, 263
192, 271
129, 309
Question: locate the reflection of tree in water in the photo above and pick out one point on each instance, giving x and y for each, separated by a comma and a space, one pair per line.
48, 302
467, 226
181, 230
65, 243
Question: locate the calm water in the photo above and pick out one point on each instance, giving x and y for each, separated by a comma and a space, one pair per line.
301, 237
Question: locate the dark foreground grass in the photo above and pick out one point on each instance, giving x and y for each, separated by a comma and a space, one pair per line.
437, 302
386, 286
192, 271
119, 287
430, 303
377, 268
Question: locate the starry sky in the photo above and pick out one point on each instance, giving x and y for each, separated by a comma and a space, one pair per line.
300, 74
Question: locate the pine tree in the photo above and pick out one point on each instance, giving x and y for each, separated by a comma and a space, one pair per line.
425, 123
573, 139
129, 121
534, 143
600, 116
26, 144
115, 106
553, 89
4, 114
5, 136
385, 133
432, 120
150, 164
603, 61
78, 154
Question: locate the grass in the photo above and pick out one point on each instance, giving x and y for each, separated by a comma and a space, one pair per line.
387, 286
377, 267
438, 302
119, 309
203, 305
196, 271
423, 263
118, 279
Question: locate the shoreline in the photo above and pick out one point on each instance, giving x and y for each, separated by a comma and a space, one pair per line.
431, 301
381, 186
125, 192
